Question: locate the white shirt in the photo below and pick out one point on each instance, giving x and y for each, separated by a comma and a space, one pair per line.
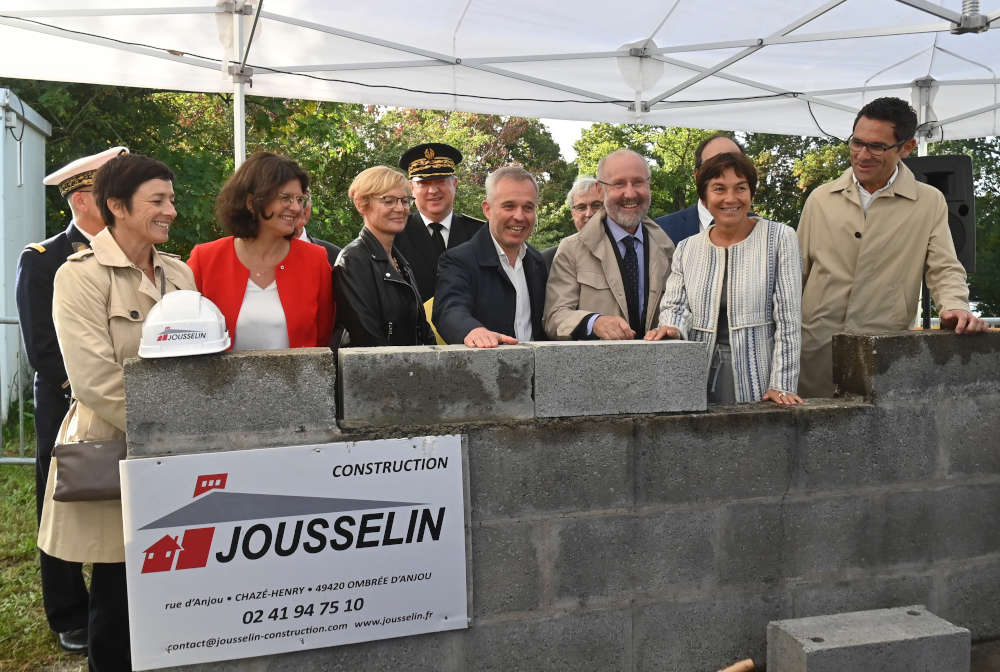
522, 304
865, 197
445, 225
705, 218
261, 324
86, 235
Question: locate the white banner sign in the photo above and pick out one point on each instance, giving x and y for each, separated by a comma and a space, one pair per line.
254, 552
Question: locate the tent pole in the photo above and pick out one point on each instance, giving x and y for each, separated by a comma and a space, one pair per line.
239, 95
924, 88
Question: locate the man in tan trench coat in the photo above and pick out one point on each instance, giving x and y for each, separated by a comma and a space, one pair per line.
866, 240
606, 280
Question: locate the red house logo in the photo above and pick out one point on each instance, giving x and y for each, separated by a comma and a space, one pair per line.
160, 556
192, 551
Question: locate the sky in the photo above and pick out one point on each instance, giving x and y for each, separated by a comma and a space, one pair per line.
565, 133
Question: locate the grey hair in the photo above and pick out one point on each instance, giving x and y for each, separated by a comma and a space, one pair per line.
507, 173
580, 185
619, 152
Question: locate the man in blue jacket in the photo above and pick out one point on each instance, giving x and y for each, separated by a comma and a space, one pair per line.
692, 220
491, 289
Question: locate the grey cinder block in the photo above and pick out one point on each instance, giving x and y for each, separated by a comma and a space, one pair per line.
609, 556
550, 467
888, 640
718, 455
910, 364
229, 401
505, 570
427, 385
619, 377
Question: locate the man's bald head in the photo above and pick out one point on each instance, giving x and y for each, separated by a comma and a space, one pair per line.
720, 143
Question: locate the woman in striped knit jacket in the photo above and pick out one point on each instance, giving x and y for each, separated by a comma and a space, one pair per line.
738, 286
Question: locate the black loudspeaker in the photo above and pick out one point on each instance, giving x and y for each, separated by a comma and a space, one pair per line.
952, 175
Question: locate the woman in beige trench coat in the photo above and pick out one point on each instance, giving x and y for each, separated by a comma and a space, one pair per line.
102, 295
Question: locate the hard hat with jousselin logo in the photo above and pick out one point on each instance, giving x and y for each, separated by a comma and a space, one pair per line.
183, 323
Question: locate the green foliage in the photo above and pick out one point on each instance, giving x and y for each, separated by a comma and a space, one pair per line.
789, 168
26, 644
670, 152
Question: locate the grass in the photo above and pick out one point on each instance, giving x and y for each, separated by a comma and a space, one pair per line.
26, 643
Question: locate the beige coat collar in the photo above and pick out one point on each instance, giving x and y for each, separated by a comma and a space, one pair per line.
905, 185
108, 253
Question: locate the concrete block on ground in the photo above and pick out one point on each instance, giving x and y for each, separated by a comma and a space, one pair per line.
550, 467
903, 639
619, 377
934, 364
230, 401
427, 385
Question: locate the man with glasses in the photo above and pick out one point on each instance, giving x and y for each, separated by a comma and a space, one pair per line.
63, 591
584, 200
689, 221
606, 280
434, 227
867, 239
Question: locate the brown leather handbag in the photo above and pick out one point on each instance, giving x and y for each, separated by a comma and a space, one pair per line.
87, 471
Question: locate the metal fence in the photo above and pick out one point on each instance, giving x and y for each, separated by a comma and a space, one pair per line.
20, 366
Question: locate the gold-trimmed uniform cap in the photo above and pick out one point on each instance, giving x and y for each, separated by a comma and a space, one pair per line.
80, 173
429, 160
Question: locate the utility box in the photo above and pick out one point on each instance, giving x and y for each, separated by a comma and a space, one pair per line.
22, 220
903, 639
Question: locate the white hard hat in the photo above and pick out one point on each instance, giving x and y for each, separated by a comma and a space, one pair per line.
183, 323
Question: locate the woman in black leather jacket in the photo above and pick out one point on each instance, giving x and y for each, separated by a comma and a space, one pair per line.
377, 298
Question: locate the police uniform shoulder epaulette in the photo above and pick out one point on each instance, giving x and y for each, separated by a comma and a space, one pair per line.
37, 247
79, 256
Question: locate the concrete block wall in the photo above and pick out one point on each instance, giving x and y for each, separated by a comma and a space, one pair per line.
668, 541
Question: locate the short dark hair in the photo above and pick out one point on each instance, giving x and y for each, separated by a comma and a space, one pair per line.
704, 143
720, 163
261, 176
121, 177
894, 110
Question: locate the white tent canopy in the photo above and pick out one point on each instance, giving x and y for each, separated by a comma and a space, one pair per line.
758, 65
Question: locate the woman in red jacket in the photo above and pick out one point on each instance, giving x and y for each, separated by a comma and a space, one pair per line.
275, 290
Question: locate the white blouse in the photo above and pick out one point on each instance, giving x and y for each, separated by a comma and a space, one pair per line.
261, 324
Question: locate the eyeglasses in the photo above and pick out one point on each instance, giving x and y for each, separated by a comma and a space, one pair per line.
390, 201
874, 148
583, 207
286, 200
621, 185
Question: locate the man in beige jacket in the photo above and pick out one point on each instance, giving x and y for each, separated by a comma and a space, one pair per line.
606, 280
866, 240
